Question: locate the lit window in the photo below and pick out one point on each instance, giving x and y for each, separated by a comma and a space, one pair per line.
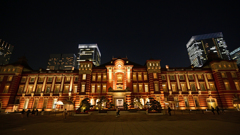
57, 89
237, 85
40, 79
140, 88
30, 89
32, 79
10, 78
164, 87
39, 89
212, 86
13, 69
93, 88
20, 89
190, 77
119, 78
139, 76
104, 88
58, 79
98, 88
174, 88
146, 87
184, 88
233, 74
48, 87
94, 78
6, 88
202, 85
49, 79
155, 75
134, 77
224, 75
67, 79
83, 88
209, 76
104, 77
227, 86
193, 87
172, 77
84, 76
163, 77
23, 79
1, 78
200, 77
66, 89
75, 89
99, 77
181, 77
135, 88
156, 87
145, 76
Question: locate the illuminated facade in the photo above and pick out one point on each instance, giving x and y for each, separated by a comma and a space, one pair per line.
235, 55
5, 52
61, 62
120, 80
89, 52
200, 46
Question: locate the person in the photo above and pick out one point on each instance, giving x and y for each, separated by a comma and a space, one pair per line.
117, 112
37, 111
65, 113
28, 112
33, 112
217, 109
43, 111
23, 112
169, 110
213, 111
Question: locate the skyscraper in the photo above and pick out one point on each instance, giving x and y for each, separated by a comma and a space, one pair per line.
200, 46
89, 52
5, 52
235, 55
61, 62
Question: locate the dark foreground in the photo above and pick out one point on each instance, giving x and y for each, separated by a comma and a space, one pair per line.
141, 124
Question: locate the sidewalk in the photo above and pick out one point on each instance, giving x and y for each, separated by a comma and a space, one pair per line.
207, 123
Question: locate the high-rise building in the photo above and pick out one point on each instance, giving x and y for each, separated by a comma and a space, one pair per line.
235, 55
89, 52
200, 46
5, 52
61, 62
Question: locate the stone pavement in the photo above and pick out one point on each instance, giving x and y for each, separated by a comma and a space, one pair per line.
227, 123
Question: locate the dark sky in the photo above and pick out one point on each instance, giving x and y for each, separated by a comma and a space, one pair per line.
138, 29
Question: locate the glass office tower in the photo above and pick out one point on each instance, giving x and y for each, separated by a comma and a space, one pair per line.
200, 46
89, 52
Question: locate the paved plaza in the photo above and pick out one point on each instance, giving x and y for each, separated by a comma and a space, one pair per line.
139, 124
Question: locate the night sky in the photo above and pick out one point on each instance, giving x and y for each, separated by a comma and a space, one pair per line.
138, 29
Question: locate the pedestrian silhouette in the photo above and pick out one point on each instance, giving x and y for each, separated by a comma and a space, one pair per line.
37, 111
28, 112
23, 112
213, 111
217, 109
33, 112
169, 110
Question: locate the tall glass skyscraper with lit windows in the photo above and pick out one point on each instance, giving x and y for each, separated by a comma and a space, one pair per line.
89, 52
200, 46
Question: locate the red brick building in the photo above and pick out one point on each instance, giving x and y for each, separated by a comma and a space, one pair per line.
120, 80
